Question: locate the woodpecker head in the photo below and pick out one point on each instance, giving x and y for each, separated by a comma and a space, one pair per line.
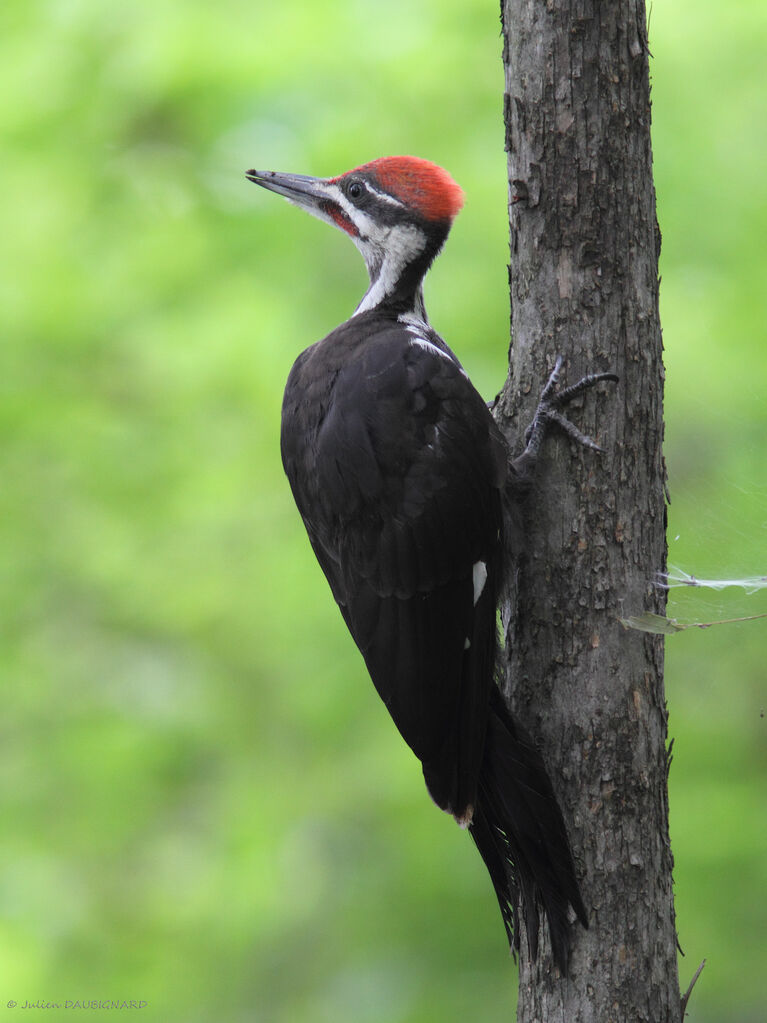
397, 211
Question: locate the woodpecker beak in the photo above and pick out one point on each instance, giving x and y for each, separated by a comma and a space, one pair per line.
300, 189
318, 196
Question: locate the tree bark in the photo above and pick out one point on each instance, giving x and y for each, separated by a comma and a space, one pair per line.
584, 283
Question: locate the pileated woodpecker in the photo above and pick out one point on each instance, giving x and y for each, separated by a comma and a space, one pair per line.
399, 472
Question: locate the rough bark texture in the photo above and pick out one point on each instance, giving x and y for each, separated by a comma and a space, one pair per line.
584, 283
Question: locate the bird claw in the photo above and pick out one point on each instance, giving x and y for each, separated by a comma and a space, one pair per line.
549, 412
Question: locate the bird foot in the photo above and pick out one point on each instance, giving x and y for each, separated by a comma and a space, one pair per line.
548, 413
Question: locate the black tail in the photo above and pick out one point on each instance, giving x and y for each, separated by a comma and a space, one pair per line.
519, 831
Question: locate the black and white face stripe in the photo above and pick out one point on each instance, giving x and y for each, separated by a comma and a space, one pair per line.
378, 194
389, 233
386, 256
363, 195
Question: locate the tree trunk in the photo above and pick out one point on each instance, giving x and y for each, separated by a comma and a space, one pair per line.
584, 283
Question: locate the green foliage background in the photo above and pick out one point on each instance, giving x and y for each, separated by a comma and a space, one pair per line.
203, 804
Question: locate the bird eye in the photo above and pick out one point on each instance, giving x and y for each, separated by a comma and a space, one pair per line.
355, 190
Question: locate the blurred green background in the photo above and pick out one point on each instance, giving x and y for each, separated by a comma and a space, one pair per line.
204, 806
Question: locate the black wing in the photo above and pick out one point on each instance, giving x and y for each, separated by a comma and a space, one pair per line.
396, 467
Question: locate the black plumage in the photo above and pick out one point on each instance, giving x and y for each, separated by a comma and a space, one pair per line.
397, 472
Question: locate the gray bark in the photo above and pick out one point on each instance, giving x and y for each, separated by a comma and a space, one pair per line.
584, 283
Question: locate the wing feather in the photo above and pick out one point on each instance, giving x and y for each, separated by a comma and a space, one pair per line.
398, 480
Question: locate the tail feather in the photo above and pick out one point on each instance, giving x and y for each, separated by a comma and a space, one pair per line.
521, 836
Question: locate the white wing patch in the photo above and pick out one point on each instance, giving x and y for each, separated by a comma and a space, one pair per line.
414, 326
479, 575
429, 346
